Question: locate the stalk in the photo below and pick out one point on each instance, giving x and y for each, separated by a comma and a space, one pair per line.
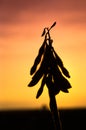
55, 112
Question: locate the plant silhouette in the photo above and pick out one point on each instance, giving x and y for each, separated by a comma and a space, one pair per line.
52, 72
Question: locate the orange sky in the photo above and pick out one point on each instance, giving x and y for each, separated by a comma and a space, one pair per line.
21, 25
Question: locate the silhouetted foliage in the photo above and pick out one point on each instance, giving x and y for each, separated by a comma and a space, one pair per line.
51, 71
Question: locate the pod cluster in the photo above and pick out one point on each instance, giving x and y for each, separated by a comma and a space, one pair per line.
49, 67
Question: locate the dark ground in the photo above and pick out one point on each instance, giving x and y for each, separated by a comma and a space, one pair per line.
72, 119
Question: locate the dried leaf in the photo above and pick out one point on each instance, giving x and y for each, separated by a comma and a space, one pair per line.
39, 92
65, 90
65, 72
60, 81
43, 32
37, 61
37, 76
38, 58
33, 69
66, 83
58, 59
53, 25
41, 88
42, 48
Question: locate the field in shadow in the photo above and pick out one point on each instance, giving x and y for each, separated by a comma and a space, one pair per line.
72, 119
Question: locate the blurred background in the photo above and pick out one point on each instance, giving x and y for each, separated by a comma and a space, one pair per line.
21, 26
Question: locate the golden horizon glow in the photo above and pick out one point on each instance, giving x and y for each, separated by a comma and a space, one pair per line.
20, 40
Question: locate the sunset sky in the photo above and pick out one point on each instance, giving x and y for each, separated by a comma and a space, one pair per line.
21, 26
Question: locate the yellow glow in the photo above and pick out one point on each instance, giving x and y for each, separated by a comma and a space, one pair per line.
18, 49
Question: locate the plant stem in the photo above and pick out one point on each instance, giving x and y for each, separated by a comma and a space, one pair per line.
55, 112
